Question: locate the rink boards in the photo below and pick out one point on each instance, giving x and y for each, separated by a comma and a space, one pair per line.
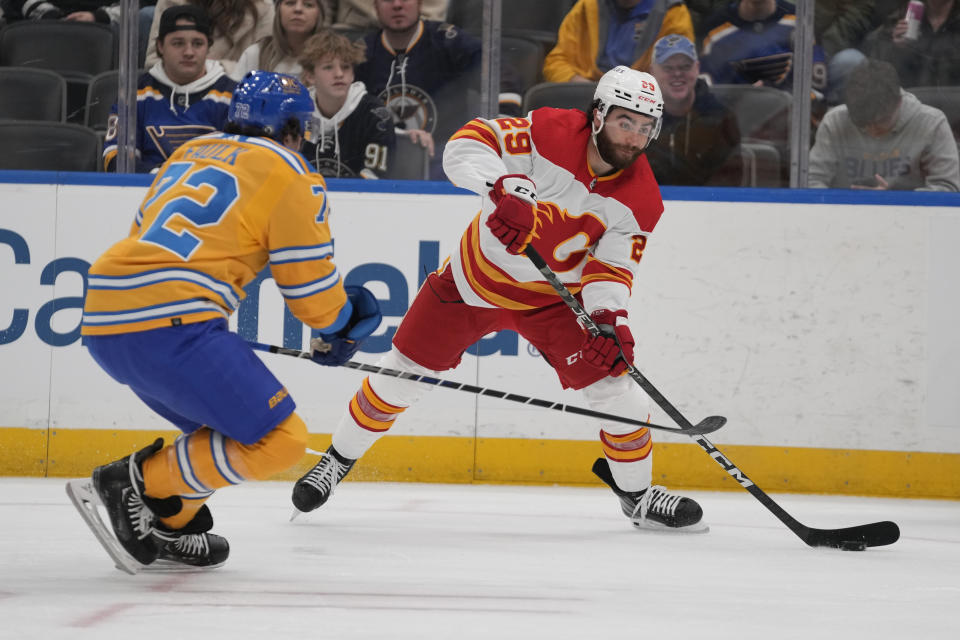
822, 327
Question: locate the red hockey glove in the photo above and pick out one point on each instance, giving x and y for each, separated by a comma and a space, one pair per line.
602, 351
515, 217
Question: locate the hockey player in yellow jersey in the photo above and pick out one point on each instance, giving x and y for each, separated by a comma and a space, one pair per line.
223, 207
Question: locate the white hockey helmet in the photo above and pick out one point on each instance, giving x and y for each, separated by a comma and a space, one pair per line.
631, 89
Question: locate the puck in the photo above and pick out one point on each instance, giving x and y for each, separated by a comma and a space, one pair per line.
853, 545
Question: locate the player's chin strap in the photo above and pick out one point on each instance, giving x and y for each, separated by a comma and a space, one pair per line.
707, 426
875, 534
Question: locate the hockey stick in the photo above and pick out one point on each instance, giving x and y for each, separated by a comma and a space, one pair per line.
592, 327
707, 426
875, 534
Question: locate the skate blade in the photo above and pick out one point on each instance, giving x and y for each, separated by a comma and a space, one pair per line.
86, 500
656, 527
171, 566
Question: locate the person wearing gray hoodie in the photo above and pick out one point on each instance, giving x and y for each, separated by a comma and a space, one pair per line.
882, 137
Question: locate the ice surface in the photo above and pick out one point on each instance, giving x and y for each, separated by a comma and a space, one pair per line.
418, 561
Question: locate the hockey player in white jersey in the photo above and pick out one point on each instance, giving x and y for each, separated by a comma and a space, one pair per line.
576, 186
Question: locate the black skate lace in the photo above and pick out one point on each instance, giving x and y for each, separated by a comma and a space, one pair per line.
325, 474
657, 500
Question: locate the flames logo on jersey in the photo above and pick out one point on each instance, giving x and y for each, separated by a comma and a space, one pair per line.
568, 236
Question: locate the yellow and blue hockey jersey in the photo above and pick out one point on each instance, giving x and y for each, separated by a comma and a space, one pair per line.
220, 209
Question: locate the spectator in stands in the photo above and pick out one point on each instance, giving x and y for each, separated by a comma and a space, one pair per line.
751, 42
422, 71
82, 10
237, 24
933, 59
842, 24
839, 27
361, 15
883, 138
294, 21
699, 139
182, 96
700, 12
100, 11
598, 35
352, 132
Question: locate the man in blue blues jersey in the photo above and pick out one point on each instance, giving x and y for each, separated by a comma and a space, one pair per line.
751, 42
421, 70
181, 97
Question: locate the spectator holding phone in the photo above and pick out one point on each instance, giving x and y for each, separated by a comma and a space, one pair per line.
883, 138
929, 53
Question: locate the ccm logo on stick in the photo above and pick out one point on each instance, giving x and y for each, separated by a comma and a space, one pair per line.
726, 464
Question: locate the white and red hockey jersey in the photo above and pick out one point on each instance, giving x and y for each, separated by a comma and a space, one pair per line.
591, 230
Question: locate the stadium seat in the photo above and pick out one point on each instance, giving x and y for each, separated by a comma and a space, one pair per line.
563, 95
75, 50
48, 146
947, 99
32, 94
763, 113
761, 164
409, 161
521, 61
101, 95
81, 47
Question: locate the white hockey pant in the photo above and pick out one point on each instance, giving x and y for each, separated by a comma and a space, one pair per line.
621, 396
353, 440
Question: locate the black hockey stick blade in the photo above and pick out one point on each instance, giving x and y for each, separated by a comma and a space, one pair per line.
707, 425
852, 538
875, 534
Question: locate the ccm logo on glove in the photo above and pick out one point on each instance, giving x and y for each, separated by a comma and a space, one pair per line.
515, 216
604, 350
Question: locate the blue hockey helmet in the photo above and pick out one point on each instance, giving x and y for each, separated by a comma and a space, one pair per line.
267, 100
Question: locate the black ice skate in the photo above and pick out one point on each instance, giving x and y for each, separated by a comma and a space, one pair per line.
315, 488
192, 545
120, 487
654, 508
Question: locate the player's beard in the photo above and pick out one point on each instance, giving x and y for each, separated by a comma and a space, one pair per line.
620, 156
